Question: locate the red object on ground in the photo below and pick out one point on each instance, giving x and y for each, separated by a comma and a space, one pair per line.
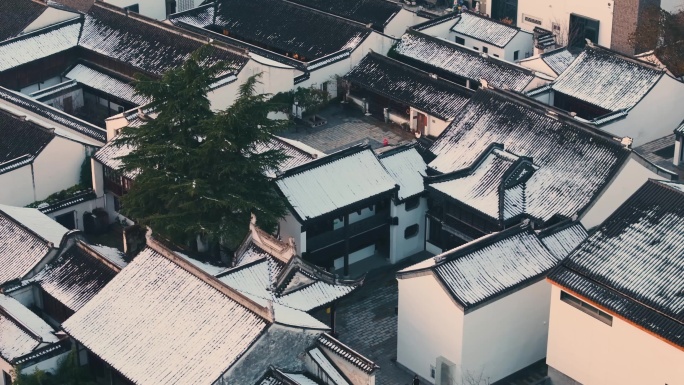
385, 142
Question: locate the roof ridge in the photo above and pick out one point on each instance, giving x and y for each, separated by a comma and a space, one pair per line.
330, 158
479, 243
397, 150
170, 28
430, 23
471, 13
39, 31
427, 75
343, 19
629, 58
470, 51
93, 253
562, 115
263, 312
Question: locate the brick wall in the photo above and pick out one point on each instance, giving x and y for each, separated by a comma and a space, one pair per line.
626, 15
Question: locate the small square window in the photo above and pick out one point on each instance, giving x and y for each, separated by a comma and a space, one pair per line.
459, 40
485, 49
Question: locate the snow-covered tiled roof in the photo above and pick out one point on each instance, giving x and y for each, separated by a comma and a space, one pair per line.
20, 249
94, 78
42, 225
297, 153
20, 140
563, 239
109, 156
53, 114
408, 85
328, 342
637, 255
281, 26
21, 330
430, 53
559, 59
111, 254
607, 79
324, 364
575, 162
407, 168
76, 276
484, 29
498, 181
16, 15
491, 266
334, 182
161, 320
39, 44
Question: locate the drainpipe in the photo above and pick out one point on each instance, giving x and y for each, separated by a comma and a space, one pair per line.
346, 245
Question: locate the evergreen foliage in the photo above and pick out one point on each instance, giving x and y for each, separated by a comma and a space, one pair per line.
199, 173
68, 372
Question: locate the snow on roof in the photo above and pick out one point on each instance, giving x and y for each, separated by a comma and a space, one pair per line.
21, 140
288, 316
330, 343
109, 156
14, 341
111, 254
638, 255
490, 267
42, 225
39, 44
607, 79
575, 162
28, 320
281, 26
76, 276
334, 182
106, 83
297, 153
300, 379
407, 85
497, 182
558, 60
484, 29
53, 114
563, 239
160, 321
407, 168
148, 45
430, 53
327, 367
20, 249
376, 12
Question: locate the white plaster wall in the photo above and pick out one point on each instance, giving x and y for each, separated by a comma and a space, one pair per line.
78, 210
442, 30
430, 325
508, 334
375, 42
16, 187
478, 44
595, 353
76, 100
629, 179
356, 256
25, 295
558, 11
401, 21
58, 166
49, 17
538, 80
664, 101
537, 64
672, 6
523, 42
115, 123
400, 247
289, 227
53, 81
155, 9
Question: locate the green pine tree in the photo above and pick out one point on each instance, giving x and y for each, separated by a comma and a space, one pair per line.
198, 171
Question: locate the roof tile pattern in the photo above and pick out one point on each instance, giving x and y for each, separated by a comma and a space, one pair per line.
148, 47
20, 250
20, 138
402, 83
14, 341
462, 61
75, 278
157, 323
480, 274
334, 183
638, 254
98, 80
281, 25
109, 156
484, 29
16, 15
407, 168
562, 241
376, 12
53, 114
575, 162
558, 60
39, 44
607, 79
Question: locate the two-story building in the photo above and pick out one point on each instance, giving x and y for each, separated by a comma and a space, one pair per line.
620, 292
618, 94
506, 158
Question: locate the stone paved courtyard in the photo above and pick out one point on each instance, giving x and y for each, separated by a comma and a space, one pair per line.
346, 127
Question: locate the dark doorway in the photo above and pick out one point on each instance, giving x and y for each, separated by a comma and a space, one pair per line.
68, 105
421, 123
67, 220
504, 10
581, 29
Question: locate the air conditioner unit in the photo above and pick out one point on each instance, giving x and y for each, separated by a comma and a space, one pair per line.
446, 373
